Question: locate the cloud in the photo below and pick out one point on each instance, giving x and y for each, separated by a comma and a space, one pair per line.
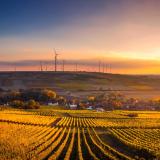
118, 65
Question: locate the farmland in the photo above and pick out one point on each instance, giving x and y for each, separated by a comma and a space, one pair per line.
79, 134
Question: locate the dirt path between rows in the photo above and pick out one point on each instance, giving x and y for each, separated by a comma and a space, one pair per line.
53, 124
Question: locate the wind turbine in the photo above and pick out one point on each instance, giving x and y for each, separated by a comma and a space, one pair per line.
55, 60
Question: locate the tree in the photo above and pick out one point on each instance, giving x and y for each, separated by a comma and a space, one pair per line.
48, 95
32, 104
115, 100
61, 100
31, 94
17, 104
91, 100
156, 103
14, 95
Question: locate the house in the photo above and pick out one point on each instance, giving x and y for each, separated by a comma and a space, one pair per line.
100, 110
90, 108
73, 106
53, 104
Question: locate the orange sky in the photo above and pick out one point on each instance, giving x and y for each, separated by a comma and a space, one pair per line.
128, 30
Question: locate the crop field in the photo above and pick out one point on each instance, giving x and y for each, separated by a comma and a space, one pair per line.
79, 134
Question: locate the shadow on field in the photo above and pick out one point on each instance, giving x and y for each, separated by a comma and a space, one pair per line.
133, 152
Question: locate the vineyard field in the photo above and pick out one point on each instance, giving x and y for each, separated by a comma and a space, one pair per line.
79, 135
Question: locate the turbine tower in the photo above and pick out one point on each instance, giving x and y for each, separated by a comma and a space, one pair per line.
55, 60
99, 66
63, 63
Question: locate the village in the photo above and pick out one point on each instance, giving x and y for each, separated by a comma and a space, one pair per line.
34, 98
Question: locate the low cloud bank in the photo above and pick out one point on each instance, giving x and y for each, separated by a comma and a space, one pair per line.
116, 64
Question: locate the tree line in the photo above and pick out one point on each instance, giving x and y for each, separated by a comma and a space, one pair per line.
28, 99
33, 98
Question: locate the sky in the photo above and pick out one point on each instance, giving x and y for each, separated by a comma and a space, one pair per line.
122, 33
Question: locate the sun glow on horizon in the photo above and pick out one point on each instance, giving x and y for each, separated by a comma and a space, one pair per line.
115, 32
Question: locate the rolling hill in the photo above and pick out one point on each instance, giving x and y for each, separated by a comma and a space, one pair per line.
82, 83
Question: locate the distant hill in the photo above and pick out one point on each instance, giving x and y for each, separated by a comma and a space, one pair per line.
81, 82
